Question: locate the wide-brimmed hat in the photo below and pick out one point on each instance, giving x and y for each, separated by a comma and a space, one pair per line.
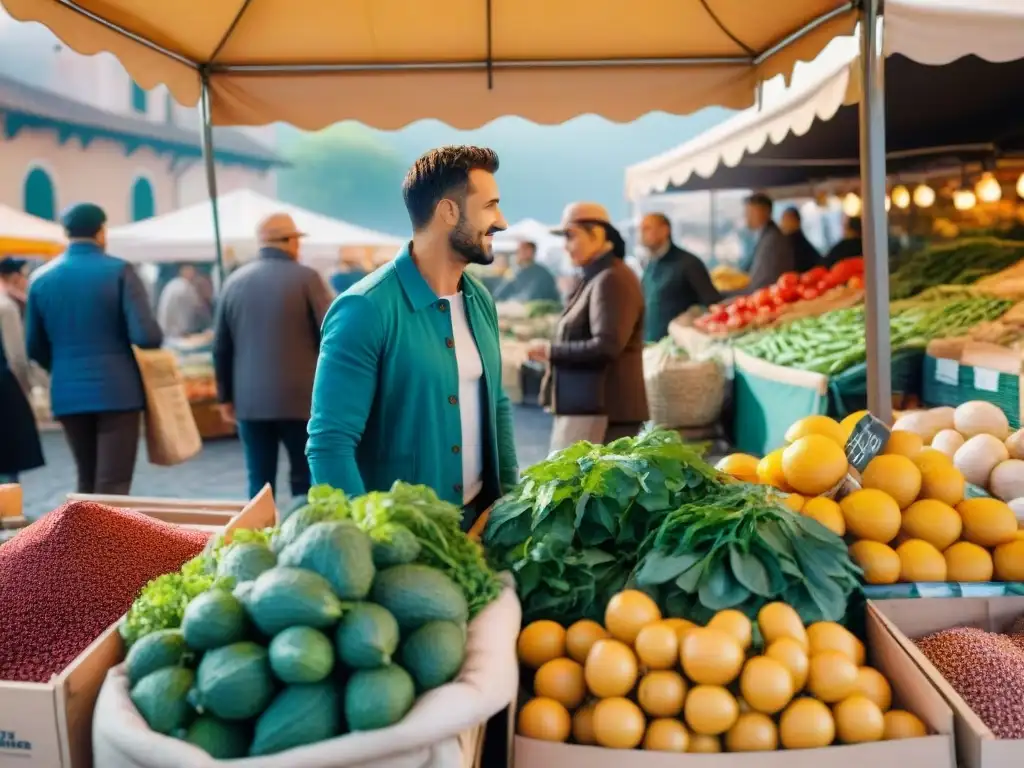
583, 213
277, 227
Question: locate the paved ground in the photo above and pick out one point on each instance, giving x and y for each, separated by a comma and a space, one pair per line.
219, 471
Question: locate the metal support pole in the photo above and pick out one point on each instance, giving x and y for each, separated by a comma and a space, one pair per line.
206, 117
874, 218
713, 225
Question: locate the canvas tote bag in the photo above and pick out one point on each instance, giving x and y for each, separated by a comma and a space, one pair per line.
172, 436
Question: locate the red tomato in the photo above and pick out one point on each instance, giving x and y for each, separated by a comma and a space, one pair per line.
742, 303
748, 315
761, 298
813, 276
735, 323
856, 282
716, 327
765, 312
808, 293
733, 309
788, 280
786, 294
714, 309
847, 268
719, 317
823, 285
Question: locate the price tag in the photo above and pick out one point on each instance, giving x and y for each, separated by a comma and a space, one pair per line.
947, 371
867, 440
986, 380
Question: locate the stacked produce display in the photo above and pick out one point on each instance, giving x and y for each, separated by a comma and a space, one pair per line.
195, 359
733, 685
910, 516
333, 623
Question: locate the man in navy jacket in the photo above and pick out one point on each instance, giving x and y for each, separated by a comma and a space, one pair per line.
85, 311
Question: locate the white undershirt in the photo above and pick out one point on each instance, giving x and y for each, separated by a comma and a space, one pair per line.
471, 372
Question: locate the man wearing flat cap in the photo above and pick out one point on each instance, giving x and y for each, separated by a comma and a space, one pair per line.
85, 311
266, 340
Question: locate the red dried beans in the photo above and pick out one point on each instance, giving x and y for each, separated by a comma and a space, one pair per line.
70, 575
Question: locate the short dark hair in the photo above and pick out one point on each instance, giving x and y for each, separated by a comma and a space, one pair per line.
792, 211
761, 200
662, 218
529, 243
853, 222
440, 173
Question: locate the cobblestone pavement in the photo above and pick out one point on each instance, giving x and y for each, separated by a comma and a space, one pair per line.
219, 471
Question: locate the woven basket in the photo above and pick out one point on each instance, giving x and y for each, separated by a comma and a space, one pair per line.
682, 393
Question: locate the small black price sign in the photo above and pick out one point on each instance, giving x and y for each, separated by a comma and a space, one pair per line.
867, 440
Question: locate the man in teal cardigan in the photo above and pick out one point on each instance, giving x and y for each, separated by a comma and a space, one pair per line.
408, 382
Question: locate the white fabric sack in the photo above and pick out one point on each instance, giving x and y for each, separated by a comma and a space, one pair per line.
429, 736
569, 430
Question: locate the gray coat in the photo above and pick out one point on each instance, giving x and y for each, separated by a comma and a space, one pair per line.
773, 257
267, 337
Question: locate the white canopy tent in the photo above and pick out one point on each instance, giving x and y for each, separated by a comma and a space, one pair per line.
187, 235
931, 32
26, 235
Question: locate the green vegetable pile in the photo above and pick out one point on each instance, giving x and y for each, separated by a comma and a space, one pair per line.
740, 548
834, 341
542, 307
572, 530
298, 635
959, 262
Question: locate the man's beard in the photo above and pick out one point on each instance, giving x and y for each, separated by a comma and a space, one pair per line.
473, 249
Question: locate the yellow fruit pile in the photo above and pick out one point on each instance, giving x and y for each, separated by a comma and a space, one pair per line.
909, 522
669, 685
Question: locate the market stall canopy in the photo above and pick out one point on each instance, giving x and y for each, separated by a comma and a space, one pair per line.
526, 231
186, 235
390, 62
23, 234
954, 103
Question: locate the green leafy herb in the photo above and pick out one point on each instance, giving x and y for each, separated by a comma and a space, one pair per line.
740, 548
572, 530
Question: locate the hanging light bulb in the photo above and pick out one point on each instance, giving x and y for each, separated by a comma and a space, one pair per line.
1020, 185
888, 203
964, 199
988, 189
924, 196
900, 196
851, 204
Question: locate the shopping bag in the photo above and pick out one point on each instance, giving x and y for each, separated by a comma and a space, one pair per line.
172, 436
568, 430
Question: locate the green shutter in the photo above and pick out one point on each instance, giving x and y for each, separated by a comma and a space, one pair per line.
143, 204
40, 198
138, 98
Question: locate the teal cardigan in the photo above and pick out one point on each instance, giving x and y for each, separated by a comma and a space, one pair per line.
385, 398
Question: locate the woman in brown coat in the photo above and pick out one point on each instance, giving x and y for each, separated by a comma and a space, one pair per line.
595, 380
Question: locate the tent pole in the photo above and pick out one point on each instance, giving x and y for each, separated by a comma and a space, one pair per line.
211, 176
875, 220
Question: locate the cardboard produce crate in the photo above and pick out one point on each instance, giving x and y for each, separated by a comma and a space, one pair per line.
911, 691
49, 725
908, 620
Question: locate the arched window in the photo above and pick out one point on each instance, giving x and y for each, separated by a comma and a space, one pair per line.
40, 196
143, 204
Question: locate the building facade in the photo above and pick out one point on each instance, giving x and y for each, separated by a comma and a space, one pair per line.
94, 135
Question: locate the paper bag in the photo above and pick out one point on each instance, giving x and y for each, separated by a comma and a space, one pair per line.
171, 432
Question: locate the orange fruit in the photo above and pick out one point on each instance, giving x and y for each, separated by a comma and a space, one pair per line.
806, 724
832, 676
666, 735
752, 732
793, 657
777, 620
681, 627
816, 424
766, 684
583, 725
710, 709
942, 482
814, 464
628, 612
611, 669
544, 719
894, 475
858, 720
711, 656
1008, 560
829, 636
794, 501
661, 693
987, 522
902, 443
741, 466
733, 623
871, 514
769, 471
580, 638
931, 458
826, 512
880, 563
618, 724
850, 422
657, 646
900, 724
561, 680
932, 521
967, 562
540, 642
920, 561
872, 683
